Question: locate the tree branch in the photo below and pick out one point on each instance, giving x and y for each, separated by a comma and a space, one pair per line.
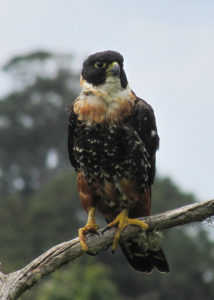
14, 284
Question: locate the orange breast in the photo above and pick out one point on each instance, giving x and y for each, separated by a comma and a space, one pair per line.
93, 106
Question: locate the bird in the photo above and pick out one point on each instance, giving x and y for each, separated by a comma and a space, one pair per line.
112, 144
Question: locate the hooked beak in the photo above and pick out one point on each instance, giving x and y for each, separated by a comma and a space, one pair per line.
113, 69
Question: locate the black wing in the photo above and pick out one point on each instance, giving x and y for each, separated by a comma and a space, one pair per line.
147, 130
71, 132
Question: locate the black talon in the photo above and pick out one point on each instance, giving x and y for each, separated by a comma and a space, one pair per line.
105, 229
92, 253
93, 231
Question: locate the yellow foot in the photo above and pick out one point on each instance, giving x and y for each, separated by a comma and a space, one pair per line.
121, 221
90, 226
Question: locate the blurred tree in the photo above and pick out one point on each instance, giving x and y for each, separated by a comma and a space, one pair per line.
33, 120
32, 224
88, 281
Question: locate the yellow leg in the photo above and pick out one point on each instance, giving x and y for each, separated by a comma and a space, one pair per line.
90, 226
121, 221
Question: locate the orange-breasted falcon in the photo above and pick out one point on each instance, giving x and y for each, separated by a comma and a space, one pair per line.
112, 141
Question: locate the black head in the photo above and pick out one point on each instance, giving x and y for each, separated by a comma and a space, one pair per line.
102, 64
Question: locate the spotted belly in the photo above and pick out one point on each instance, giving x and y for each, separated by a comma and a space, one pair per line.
114, 161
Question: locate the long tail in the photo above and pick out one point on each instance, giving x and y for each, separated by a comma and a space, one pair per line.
144, 255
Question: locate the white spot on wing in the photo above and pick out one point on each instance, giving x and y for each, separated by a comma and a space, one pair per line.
153, 133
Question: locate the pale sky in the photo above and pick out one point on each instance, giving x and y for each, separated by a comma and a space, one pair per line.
168, 47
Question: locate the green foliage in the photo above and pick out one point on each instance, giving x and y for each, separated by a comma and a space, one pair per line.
90, 281
166, 195
38, 222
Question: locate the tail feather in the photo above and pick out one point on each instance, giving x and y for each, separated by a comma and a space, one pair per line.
144, 260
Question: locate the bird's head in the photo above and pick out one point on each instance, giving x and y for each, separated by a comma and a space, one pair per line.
105, 96
104, 66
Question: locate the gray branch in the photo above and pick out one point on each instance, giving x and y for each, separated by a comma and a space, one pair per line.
13, 285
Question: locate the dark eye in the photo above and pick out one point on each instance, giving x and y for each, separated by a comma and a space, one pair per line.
100, 64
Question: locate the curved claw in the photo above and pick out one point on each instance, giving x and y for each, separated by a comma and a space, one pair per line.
92, 253
105, 229
94, 230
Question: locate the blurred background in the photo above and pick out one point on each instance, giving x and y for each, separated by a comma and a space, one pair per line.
168, 49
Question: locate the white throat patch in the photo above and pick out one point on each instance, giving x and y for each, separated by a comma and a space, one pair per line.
105, 102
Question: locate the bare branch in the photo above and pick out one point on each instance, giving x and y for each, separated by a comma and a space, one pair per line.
14, 284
